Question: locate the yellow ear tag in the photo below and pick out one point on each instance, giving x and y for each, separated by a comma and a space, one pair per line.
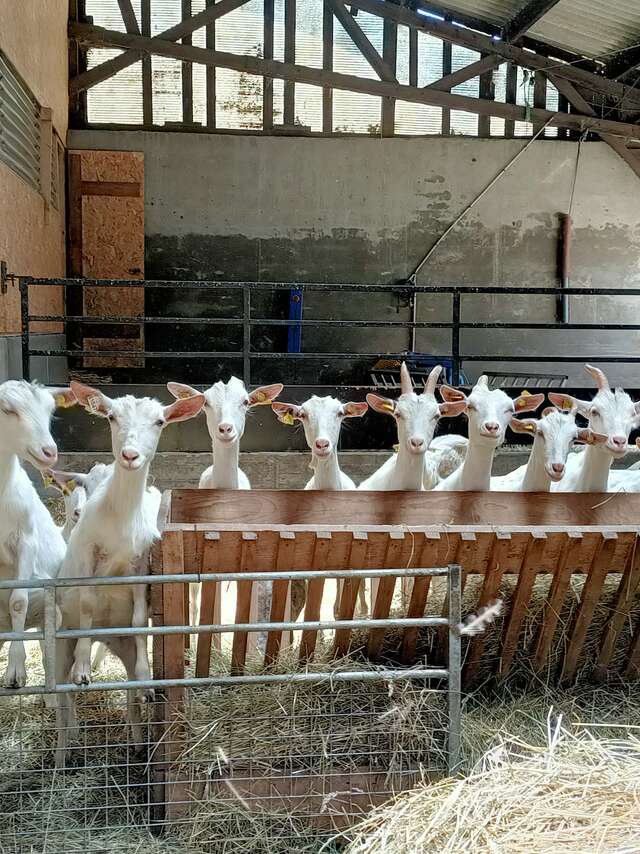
288, 418
525, 393
566, 404
48, 481
69, 486
388, 407
396, 448
183, 395
62, 402
529, 427
589, 439
261, 397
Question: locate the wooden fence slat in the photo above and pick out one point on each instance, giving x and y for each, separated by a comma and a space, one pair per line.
384, 592
243, 603
468, 546
632, 666
279, 593
500, 553
349, 595
521, 597
209, 601
569, 561
315, 589
624, 600
419, 594
588, 603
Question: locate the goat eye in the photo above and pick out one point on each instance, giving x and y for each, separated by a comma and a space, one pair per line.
247, 402
595, 412
9, 412
160, 422
111, 417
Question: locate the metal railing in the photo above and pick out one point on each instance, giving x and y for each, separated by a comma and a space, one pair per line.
247, 322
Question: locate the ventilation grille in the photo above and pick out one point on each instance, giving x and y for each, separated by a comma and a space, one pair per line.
19, 126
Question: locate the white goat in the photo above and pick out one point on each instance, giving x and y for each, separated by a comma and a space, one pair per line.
489, 413
31, 545
611, 413
553, 437
112, 537
445, 454
416, 419
322, 419
226, 406
75, 488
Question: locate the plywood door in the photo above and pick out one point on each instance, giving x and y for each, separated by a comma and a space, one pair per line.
106, 241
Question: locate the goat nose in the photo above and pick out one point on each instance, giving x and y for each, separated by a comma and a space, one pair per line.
322, 444
416, 442
130, 455
558, 468
620, 441
49, 452
491, 426
225, 428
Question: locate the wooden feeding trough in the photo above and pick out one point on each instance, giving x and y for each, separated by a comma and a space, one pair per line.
489, 535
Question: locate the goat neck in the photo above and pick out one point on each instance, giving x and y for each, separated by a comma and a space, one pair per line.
594, 471
126, 489
409, 469
535, 477
475, 472
9, 467
226, 456
326, 472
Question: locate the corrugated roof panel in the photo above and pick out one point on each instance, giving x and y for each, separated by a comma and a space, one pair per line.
591, 28
496, 12
117, 100
416, 119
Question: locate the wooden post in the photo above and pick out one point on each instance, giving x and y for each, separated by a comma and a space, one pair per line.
383, 598
486, 91
147, 76
511, 96
446, 69
279, 593
315, 589
187, 72
267, 82
209, 601
289, 56
210, 42
389, 54
243, 603
349, 597
327, 65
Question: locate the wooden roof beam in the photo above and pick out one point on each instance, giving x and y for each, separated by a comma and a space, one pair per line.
475, 69
129, 16
359, 38
529, 15
99, 37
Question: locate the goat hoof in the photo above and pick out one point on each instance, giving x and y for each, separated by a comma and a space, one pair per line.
147, 695
15, 679
80, 675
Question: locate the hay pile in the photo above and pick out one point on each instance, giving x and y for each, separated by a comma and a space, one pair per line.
579, 794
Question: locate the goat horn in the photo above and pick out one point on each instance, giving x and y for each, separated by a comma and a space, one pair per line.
598, 377
483, 381
431, 383
406, 386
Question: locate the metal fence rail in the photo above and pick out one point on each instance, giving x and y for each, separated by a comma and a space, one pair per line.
246, 321
215, 758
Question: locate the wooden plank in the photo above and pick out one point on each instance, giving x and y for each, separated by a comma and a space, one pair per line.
295, 508
526, 17
156, 592
419, 594
243, 603
539, 97
291, 73
289, 106
209, 597
349, 597
465, 555
210, 71
389, 55
173, 605
624, 600
384, 593
588, 603
75, 216
128, 16
187, 71
107, 69
267, 82
446, 71
632, 666
279, 592
327, 65
570, 560
474, 69
486, 90
147, 71
130, 189
315, 589
513, 623
382, 66
413, 58
506, 551
511, 93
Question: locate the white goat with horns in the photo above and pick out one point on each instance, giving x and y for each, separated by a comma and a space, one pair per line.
112, 538
416, 416
75, 489
31, 544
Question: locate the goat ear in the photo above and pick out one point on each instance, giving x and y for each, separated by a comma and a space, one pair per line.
180, 391
548, 410
528, 402
567, 403
64, 481
183, 409
287, 413
355, 410
524, 425
450, 410
586, 436
94, 401
265, 394
381, 404
64, 397
452, 395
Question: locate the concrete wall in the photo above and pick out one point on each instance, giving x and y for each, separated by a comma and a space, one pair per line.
33, 35
361, 210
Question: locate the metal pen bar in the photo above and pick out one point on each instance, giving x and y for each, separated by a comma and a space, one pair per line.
262, 679
454, 584
49, 638
231, 628
246, 336
196, 577
24, 337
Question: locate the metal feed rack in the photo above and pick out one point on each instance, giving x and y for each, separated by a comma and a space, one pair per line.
112, 788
